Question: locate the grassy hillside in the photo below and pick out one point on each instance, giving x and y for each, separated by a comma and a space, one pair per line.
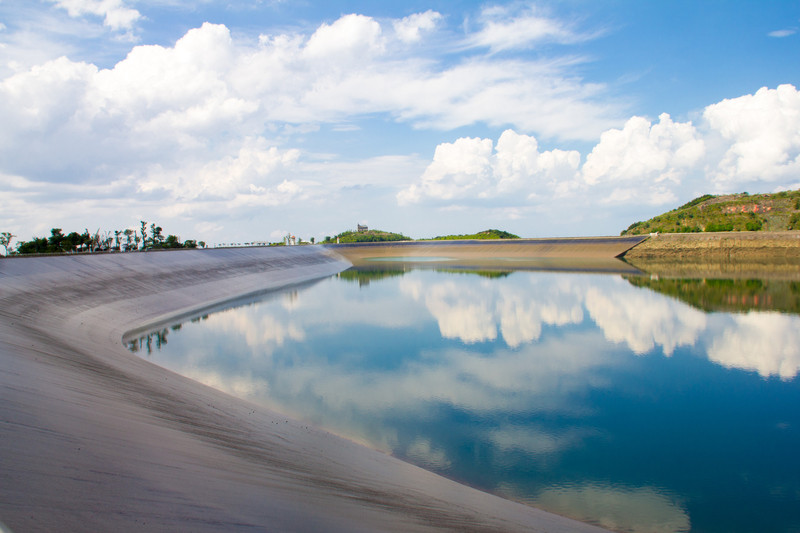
373, 235
486, 234
732, 212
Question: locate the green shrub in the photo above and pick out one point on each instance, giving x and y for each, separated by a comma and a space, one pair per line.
755, 225
713, 227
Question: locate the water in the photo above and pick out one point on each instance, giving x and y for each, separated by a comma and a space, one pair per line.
633, 403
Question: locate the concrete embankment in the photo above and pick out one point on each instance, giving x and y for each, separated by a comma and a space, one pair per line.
721, 255
96, 439
722, 245
588, 254
564, 248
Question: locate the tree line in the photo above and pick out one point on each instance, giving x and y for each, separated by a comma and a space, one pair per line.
144, 238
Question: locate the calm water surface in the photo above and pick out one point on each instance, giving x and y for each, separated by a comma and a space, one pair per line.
636, 404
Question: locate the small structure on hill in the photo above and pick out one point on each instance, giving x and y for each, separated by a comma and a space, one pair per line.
362, 229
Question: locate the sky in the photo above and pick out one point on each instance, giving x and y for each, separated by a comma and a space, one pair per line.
242, 121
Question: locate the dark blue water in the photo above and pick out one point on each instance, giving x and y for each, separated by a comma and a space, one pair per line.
640, 408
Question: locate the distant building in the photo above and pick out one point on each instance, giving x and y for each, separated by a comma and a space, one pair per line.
362, 228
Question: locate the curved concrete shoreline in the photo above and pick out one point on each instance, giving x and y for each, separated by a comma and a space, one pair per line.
557, 248
95, 439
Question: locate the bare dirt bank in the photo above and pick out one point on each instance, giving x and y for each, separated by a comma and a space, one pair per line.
95, 439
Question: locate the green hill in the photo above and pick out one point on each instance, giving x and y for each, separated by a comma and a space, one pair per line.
731, 212
372, 235
486, 234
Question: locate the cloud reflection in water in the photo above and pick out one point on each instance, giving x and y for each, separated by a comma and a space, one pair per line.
516, 383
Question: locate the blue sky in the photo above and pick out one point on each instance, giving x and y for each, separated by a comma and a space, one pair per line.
243, 121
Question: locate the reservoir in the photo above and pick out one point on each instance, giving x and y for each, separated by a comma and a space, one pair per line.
627, 401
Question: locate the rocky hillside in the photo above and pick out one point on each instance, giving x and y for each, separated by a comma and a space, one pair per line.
732, 212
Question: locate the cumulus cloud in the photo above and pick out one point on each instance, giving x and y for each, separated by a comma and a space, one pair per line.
474, 312
644, 320
218, 120
654, 155
351, 37
180, 118
760, 136
746, 143
768, 343
474, 168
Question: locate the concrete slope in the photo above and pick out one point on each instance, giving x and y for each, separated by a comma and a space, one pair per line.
563, 248
95, 439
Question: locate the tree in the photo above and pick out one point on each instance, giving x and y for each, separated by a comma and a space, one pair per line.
312, 240
144, 234
38, 245
94, 240
172, 241
5, 240
128, 234
156, 238
75, 240
56, 240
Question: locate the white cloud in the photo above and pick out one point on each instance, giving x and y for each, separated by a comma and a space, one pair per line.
768, 343
643, 162
261, 332
207, 89
457, 169
116, 14
760, 137
250, 172
352, 37
409, 29
747, 143
782, 33
536, 441
505, 28
470, 168
422, 451
462, 312
474, 312
643, 319
181, 120
635, 509
644, 151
